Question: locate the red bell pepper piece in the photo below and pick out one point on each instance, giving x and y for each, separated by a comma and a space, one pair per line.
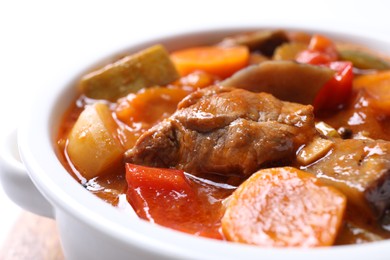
155, 191
321, 50
167, 197
336, 92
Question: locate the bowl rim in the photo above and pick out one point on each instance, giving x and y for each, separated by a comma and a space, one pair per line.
36, 147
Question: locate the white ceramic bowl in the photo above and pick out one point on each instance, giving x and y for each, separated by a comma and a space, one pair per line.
90, 228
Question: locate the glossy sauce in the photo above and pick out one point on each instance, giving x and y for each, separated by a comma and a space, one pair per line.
161, 103
360, 119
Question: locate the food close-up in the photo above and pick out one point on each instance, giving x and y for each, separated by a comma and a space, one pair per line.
274, 138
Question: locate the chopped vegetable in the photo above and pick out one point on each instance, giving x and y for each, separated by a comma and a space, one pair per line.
146, 184
284, 207
326, 130
299, 83
93, 146
150, 105
221, 61
196, 80
364, 60
378, 87
299, 36
337, 91
289, 51
146, 68
321, 50
262, 41
313, 151
257, 58
163, 196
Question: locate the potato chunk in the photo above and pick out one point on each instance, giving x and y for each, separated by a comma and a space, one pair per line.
284, 207
289, 50
92, 145
149, 67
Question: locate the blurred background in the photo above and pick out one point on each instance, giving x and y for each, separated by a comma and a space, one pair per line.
41, 41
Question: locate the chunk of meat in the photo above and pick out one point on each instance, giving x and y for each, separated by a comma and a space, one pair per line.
286, 80
226, 131
284, 207
361, 170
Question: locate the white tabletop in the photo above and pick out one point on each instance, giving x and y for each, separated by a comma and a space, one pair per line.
41, 39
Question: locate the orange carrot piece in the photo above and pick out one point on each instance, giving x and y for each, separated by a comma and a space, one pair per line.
195, 80
378, 87
323, 44
284, 207
150, 105
220, 61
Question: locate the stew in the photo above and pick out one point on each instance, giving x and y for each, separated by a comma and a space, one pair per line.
271, 138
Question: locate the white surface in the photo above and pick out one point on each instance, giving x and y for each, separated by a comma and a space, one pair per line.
41, 40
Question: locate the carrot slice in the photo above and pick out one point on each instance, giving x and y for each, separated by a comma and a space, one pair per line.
220, 61
284, 207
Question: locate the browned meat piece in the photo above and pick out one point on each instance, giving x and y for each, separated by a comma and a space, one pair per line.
361, 170
226, 131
